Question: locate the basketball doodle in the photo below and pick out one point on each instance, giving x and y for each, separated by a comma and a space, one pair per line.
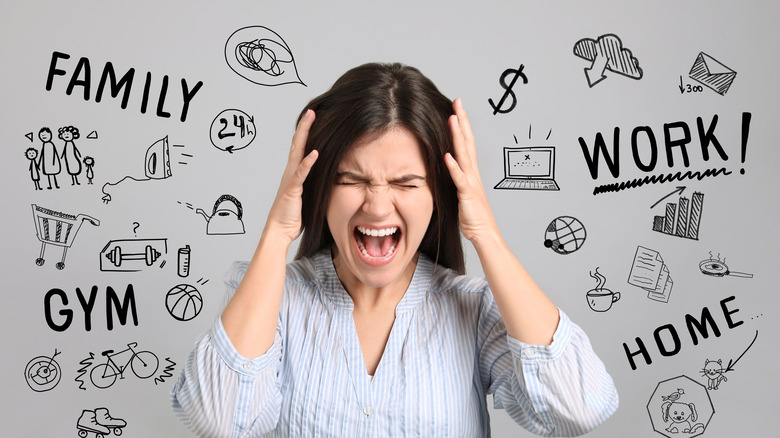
565, 235
43, 373
183, 302
508, 87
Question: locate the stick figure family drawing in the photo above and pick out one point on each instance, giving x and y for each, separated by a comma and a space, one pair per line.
50, 161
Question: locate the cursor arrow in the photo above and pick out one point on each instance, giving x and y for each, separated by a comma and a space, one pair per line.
595, 73
731, 364
679, 190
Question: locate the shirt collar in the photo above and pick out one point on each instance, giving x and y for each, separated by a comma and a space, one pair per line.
334, 290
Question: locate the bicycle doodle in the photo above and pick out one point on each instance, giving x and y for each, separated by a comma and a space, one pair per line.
141, 363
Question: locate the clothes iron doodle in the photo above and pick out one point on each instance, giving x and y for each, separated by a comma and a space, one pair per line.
225, 218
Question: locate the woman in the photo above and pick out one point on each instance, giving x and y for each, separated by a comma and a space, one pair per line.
373, 330
70, 153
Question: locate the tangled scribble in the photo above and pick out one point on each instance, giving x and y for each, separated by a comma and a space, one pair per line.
259, 55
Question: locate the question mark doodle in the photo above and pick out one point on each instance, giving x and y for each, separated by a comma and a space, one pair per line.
135, 228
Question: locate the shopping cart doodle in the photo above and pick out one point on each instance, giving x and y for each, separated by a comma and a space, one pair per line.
43, 373
142, 363
57, 228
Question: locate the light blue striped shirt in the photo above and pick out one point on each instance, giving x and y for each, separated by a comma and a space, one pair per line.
447, 350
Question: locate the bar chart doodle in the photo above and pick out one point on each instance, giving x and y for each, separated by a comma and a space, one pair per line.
681, 218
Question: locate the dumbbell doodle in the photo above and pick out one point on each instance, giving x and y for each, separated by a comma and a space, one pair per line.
132, 255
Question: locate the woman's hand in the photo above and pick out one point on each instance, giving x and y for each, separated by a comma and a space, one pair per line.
476, 218
285, 214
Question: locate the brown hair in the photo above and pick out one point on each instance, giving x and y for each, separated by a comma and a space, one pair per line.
364, 103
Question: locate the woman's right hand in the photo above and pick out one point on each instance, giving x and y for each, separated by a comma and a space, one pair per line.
285, 214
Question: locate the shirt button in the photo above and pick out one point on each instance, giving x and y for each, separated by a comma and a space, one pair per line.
529, 352
368, 410
248, 366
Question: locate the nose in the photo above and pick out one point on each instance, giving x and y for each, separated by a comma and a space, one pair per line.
378, 202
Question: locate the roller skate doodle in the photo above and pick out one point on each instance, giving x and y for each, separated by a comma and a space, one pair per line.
142, 363
100, 423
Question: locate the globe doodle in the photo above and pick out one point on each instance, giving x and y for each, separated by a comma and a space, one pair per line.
564, 235
183, 302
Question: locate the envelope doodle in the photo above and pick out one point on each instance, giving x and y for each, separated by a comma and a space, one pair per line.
709, 72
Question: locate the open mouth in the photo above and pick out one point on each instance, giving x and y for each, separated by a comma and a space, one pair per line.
377, 243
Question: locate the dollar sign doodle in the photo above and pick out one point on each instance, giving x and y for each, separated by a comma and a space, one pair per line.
510, 71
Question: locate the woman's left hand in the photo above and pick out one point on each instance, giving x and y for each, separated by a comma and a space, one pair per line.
476, 218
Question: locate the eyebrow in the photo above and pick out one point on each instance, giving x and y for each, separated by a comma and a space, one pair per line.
400, 179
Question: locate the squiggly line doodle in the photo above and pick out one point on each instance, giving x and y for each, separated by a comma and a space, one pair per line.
260, 55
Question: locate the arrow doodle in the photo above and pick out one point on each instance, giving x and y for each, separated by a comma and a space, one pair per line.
731, 364
678, 190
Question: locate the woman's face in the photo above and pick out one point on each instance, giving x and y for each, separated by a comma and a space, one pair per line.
66, 135
380, 206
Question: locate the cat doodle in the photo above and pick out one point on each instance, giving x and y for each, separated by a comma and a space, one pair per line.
714, 372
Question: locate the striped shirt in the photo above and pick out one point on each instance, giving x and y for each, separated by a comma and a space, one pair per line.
448, 348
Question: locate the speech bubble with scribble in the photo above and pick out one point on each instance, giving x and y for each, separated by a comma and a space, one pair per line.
260, 55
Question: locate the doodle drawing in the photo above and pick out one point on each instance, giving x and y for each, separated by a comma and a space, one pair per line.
232, 130
35, 166
565, 235
226, 217
142, 363
89, 163
719, 268
713, 371
49, 159
183, 266
680, 407
498, 108
649, 272
70, 153
57, 228
260, 55
183, 302
132, 255
606, 53
157, 165
529, 168
600, 299
709, 72
681, 218
100, 423
43, 373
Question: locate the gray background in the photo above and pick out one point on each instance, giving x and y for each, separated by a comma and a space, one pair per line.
464, 47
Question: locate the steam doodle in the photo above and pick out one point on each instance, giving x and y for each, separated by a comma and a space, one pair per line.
226, 217
565, 235
529, 168
232, 130
683, 218
100, 423
709, 72
649, 272
132, 255
680, 407
261, 56
157, 165
57, 228
183, 302
715, 267
606, 53
143, 364
43, 373
600, 299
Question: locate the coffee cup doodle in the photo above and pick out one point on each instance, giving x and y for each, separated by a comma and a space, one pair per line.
600, 299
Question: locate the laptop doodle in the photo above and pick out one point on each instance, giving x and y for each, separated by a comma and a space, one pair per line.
529, 168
